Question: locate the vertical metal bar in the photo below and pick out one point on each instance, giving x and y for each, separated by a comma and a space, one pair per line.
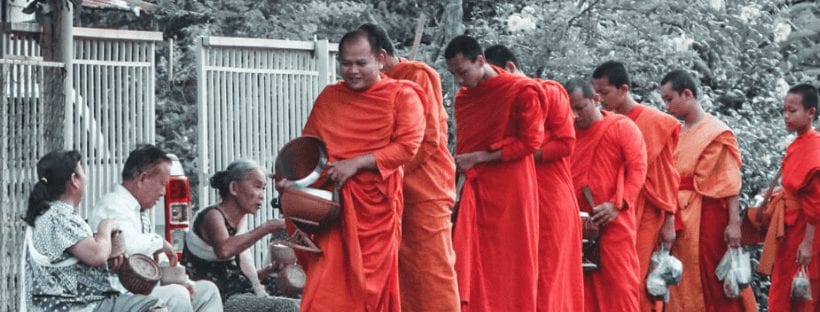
202, 123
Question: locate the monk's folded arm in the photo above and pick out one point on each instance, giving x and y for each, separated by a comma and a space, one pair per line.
530, 133
409, 131
432, 129
559, 137
634, 153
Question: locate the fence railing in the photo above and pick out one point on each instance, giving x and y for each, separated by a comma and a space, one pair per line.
253, 96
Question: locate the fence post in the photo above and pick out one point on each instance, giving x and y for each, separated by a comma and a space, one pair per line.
202, 122
323, 63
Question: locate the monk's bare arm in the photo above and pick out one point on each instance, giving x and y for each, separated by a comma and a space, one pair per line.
732, 232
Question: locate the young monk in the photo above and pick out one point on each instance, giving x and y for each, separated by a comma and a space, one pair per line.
560, 275
372, 126
708, 160
791, 241
656, 205
426, 256
498, 128
609, 159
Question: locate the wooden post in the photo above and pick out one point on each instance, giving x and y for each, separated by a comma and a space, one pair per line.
57, 44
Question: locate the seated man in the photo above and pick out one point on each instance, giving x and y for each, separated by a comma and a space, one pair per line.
144, 176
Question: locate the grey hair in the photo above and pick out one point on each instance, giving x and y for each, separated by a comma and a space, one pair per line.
236, 172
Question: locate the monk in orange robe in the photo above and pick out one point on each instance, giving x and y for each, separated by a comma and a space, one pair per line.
560, 275
498, 128
708, 160
426, 256
372, 126
791, 241
656, 205
609, 159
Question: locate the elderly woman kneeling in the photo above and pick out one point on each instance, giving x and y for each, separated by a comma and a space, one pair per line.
217, 249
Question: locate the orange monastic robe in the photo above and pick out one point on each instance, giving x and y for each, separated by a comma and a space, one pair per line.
660, 192
801, 181
358, 270
426, 256
496, 230
560, 276
708, 160
610, 158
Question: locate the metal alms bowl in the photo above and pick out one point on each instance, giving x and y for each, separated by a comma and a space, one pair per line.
302, 160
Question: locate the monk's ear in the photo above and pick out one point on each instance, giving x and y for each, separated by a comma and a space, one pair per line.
596, 98
381, 58
623, 89
813, 112
480, 59
510, 67
687, 94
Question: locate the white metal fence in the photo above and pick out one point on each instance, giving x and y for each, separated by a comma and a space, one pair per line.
113, 111
253, 96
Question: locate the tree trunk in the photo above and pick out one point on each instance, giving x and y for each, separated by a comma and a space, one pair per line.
56, 43
453, 15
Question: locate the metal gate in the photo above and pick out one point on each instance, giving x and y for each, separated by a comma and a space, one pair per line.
253, 96
112, 111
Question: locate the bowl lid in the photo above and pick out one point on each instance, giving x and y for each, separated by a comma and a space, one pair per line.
302, 160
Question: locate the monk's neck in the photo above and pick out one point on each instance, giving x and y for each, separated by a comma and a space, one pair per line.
693, 118
391, 61
801, 132
627, 106
489, 73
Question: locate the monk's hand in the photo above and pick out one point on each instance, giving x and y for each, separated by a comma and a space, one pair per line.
804, 252
342, 170
732, 234
604, 213
468, 160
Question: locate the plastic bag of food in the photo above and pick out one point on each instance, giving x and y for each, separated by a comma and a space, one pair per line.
738, 261
665, 270
742, 264
801, 286
731, 288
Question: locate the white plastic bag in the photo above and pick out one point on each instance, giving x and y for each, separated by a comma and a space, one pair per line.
743, 267
735, 271
801, 286
665, 270
731, 288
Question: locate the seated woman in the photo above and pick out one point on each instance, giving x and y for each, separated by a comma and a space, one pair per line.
65, 264
217, 249
800, 207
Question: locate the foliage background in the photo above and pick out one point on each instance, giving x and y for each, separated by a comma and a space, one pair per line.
745, 52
